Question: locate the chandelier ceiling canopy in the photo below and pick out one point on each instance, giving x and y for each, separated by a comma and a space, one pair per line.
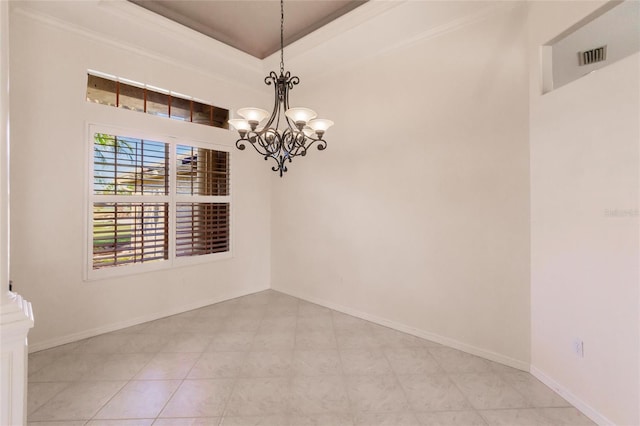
282, 137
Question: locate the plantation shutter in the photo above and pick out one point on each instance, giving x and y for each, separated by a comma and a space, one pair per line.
124, 231
156, 201
202, 228
202, 223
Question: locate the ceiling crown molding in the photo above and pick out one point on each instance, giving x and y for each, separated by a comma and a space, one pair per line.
188, 49
136, 14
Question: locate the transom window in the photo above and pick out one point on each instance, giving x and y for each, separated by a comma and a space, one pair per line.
134, 96
155, 202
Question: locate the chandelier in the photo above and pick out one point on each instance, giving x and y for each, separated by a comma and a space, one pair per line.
281, 138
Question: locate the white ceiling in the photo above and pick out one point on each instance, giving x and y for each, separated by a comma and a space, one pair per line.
249, 25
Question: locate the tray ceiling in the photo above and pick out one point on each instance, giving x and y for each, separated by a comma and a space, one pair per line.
248, 25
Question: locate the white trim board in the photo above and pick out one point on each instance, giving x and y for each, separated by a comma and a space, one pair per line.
74, 337
452, 343
578, 403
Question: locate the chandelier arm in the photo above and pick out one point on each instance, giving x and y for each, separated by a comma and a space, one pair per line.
299, 147
272, 78
278, 118
282, 95
291, 81
263, 146
265, 151
240, 145
275, 148
278, 165
267, 154
289, 142
281, 167
316, 139
322, 144
300, 151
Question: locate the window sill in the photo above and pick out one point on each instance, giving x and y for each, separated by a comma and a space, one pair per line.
135, 269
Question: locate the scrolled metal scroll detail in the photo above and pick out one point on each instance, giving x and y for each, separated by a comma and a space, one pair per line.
269, 141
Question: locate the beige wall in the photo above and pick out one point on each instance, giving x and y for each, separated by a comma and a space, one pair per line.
584, 259
49, 166
417, 214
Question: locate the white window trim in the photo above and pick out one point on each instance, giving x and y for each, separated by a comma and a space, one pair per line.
91, 274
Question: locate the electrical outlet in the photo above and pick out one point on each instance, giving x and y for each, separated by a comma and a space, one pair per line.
578, 348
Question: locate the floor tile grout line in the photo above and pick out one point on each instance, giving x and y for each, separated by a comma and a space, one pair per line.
133, 378
466, 398
352, 411
157, 416
291, 376
533, 405
125, 385
527, 401
404, 391
112, 396
77, 351
50, 398
448, 374
223, 413
539, 410
444, 373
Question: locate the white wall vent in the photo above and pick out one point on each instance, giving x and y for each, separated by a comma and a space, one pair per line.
592, 56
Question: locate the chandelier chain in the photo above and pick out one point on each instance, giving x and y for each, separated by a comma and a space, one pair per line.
281, 36
301, 130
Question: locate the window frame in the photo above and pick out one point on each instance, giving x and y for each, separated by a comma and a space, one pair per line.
172, 199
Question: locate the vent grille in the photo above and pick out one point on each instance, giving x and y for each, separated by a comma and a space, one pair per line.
592, 56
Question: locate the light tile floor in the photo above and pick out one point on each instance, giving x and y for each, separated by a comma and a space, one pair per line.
271, 359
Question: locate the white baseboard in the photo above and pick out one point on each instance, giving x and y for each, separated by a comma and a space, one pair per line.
572, 399
456, 344
583, 407
74, 337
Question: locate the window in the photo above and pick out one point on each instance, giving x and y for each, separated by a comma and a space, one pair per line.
155, 202
134, 96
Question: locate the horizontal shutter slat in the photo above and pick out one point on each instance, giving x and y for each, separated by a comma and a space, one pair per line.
125, 233
201, 228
